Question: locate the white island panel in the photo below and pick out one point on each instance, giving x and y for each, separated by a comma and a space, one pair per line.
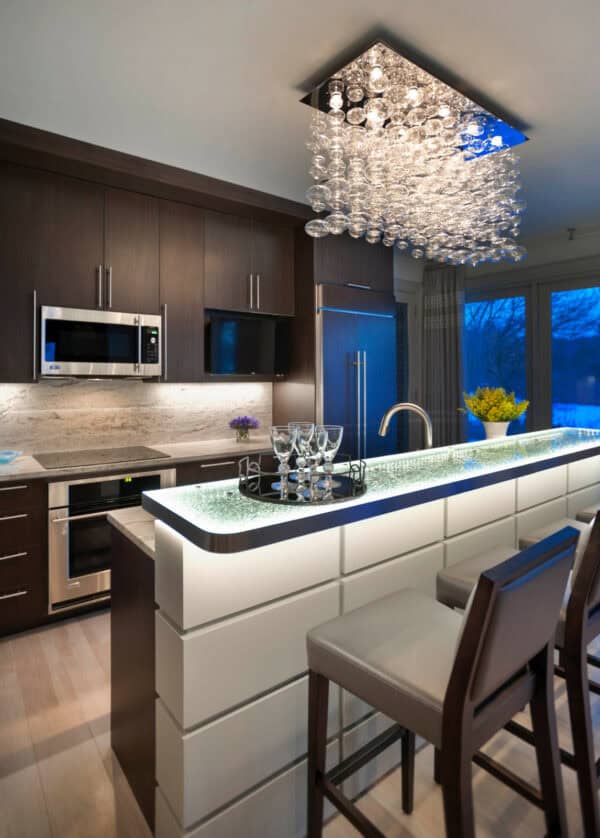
376, 539
274, 810
534, 489
197, 774
195, 587
583, 473
474, 509
205, 672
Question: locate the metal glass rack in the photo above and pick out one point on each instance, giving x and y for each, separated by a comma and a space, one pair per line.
346, 481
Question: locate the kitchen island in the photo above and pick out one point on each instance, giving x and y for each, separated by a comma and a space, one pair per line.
238, 584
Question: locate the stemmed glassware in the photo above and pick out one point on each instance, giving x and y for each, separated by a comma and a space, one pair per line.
315, 453
304, 433
283, 440
333, 440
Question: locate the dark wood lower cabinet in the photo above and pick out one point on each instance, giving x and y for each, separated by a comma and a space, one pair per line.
132, 655
224, 468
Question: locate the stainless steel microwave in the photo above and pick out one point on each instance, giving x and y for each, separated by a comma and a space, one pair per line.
86, 342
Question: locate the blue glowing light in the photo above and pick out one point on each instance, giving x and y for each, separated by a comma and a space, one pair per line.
485, 134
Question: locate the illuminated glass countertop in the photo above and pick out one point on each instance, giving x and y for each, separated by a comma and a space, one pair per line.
216, 517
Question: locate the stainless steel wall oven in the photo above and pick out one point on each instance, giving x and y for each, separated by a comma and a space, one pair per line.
79, 540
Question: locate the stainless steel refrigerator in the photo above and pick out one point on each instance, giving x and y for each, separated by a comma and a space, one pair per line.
360, 367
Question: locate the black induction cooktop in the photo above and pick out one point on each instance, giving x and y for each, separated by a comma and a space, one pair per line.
98, 456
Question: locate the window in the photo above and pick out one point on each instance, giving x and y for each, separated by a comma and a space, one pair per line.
575, 316
494, 351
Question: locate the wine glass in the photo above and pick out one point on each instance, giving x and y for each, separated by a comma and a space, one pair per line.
334, 436
283, 440
315, 453
304, 434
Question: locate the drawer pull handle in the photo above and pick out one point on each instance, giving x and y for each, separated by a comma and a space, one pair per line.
16, 594
216, 465
15, 517
13, 556
13, 488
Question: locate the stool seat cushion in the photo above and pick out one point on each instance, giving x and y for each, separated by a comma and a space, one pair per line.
533, 537
455, 583
588, 514
396, 653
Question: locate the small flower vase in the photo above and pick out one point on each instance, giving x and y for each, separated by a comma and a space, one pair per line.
242, 434
493, 430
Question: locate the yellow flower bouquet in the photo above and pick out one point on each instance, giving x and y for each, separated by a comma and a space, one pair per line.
494, 404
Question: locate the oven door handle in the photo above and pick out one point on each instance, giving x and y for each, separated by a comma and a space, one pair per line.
67, 518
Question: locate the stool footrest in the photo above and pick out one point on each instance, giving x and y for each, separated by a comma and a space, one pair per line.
526, 735
593, 660
349, 766
509, 778
347, 808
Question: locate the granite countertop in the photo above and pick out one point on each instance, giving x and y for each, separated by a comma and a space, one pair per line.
215, 517
137, 525
28, 468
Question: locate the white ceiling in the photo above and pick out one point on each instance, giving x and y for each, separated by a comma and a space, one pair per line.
214, 85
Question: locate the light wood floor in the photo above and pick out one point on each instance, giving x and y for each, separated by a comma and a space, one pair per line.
59, 779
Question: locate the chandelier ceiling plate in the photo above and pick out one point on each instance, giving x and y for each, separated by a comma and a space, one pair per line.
401, 157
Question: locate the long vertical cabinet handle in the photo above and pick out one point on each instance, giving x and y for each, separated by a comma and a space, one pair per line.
258, 292
138, 321
165, 365
250, 286
35, 340
365, 403
109, 286
99, 294
357, 356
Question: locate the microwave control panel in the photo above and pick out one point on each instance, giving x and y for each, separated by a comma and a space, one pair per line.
150, 345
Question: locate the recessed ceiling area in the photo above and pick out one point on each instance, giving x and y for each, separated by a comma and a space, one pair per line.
215, 87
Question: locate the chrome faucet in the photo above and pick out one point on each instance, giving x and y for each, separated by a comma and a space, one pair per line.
411, 408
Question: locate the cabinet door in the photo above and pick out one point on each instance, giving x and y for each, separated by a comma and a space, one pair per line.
342, 260
51, 240
181, 289
131, 252
273, 267
227, 262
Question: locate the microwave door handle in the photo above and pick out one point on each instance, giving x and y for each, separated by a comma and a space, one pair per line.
139, 346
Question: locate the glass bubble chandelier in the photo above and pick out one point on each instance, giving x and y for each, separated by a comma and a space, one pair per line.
400, 157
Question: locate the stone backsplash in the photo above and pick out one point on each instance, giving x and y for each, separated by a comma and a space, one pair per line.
61, 415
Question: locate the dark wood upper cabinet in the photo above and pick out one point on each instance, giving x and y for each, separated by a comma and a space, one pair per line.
51, 241
273, 269
227, 262
181, 290
248, 265
131, 252
342, 260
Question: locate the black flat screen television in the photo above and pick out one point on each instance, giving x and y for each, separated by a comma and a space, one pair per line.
246, 344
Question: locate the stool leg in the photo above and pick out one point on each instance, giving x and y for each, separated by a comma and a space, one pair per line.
408, 772
318, 698
437, 771
583, 744
543, 718
457, 790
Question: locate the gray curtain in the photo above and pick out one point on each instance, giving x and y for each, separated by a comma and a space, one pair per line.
441, 352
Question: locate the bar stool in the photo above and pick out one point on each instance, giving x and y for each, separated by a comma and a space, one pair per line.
588, 514
454, 681
578, 625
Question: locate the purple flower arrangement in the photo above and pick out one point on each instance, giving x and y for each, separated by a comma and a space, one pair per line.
242, 425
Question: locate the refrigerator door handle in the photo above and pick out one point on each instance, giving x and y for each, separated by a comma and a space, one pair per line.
365, 411
357, 364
